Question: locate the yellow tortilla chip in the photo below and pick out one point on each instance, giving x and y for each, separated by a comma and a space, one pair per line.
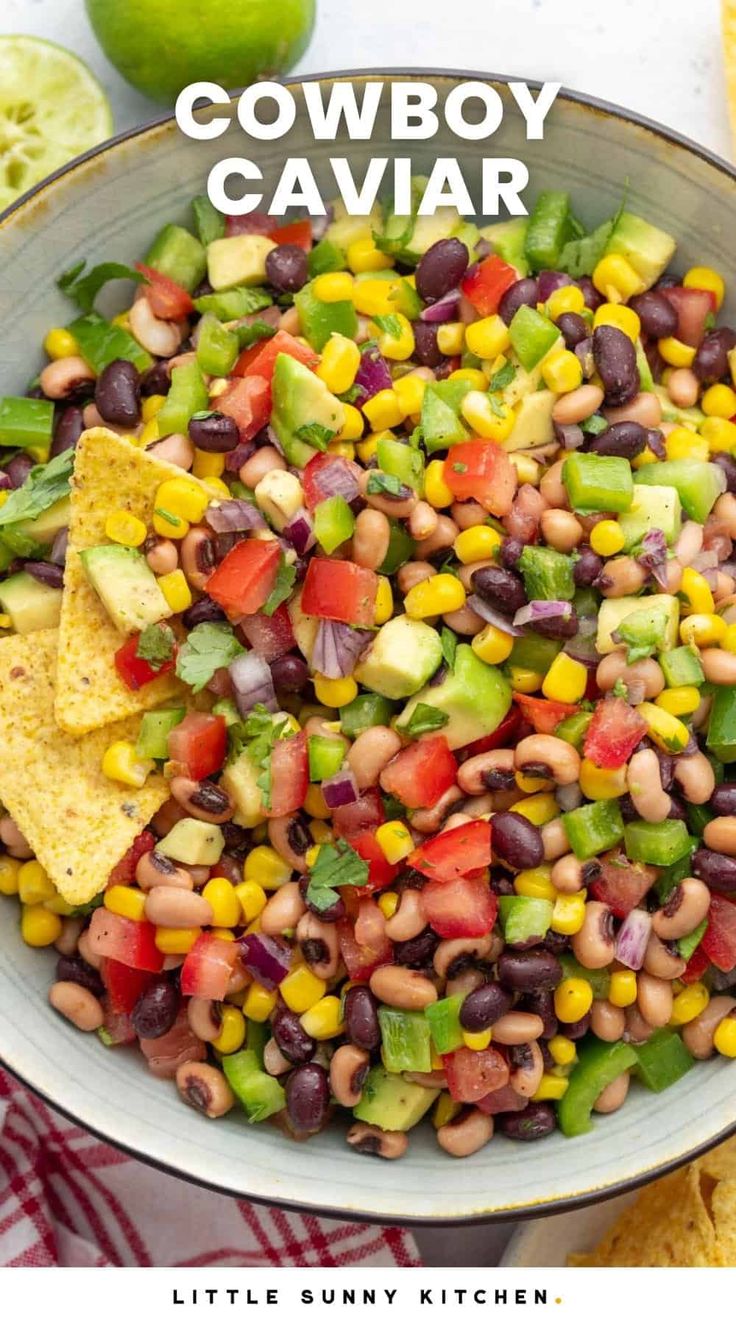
78, 822
109, 474
723, 1201
668, 1226
720, 1163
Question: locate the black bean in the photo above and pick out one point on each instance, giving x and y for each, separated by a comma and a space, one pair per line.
529, 972
503, 590
524, 291
78, 971
627, 808
727, 463
511, 549
5, 483
286, 268
578, 1029
118, 393
308, 1098
156, 1009
615, 359
626, 439
573, 329
711, 361
216, 433
441, 269
543, 1005
558, 626
718, 871
157, 380
290, 673
237, 839
228, 866
502, 884
361, 1018
18, 469
417, 953
723, 799
426, 350
656, 314
45, 573
296, 1045
517, 841
593, 299
68, 428
534, 1123
206, 609
556, 943
483, 1006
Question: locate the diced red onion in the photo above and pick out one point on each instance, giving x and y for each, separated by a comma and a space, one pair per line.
653, 555
444, 310
710, 575
337, 648
635, 690
236, 458
582, 648
234, 516
342, 789
252, 683
59, 547
569, 797
632, 939
272, 440
372, 376
549, 281
543, 610
267, 959
300, 532
728, 568
569, 435
655, 442
338, 478
704, 561
5, 483
501, 622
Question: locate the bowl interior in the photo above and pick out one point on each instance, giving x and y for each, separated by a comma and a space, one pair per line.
110, 206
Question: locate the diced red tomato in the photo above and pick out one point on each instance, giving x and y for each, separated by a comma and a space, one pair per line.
455, 853
483, 472
254, 222
289, 775
124, 871
171, 1050
167, 299
271, 636
544, 714
381, 873
123, 985
243, 581
297, 232
134, 671
207, 968
696, 966
220, 683
694, 308
370, 924
421, 773
719, 940
486, 283
614, 733
473, 1075
129, 941
314, 484
365, 812
118, 1028
463, 908
339, 591
360, 961
503, 736
248, 402
260, 359
199, 744
621, 884
505, 1100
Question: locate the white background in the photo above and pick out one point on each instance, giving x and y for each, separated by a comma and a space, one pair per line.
659, 57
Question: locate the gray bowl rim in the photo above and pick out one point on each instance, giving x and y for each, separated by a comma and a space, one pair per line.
542, 1208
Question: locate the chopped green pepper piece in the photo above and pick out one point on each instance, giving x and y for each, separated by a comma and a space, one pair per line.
324, 257
524, 917
655, 843
154, 730
217, 348
687, 945
400, 549
405, 1040
599, 980
187, 396
319, 320
681, 666
598, 1065
440, 421
722, 724
229, 305
209, 222
177, 254
573, 728
534, 653
548, 230
363, 712
532, 336
26, 423
444, 1023
674, 873
594, 827
662, 1060
326, 756
334, 522
598, 482
260, 1094
404, 462
547, 574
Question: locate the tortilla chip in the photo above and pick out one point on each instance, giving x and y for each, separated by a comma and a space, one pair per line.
723, 1201
78, 822
720, 1163
669, 1226
109, 474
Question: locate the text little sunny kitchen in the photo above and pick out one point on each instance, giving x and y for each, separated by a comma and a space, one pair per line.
412, 1294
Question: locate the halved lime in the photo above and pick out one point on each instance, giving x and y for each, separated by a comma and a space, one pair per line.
51, 109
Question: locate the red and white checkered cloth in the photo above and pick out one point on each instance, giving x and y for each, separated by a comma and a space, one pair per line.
68, 1199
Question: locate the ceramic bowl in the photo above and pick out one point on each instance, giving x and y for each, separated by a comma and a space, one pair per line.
108, 205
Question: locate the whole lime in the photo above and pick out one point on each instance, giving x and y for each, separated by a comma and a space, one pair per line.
162, 45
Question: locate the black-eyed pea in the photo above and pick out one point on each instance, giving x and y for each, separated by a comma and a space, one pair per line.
66, 943
720, 834
464, 621
176, 449
654, 999
413, 573
157, 336
349, 1067
493, 771
198, 556
291, 839
568, 874
204, 1088
370, 752
468, 514
77, 1004
399, 987
262, 462
431, 820
577, 405
606, 1021
369, 1139
156, 870
274, 1062
719, 666
527, 1069
162, 557
319, 946
548, 756
176, 908
283, 910
644, 784
13, 839
685, 908
662, 959
622, 576
85, 951
594, 944
465, 1134
554, 839
614, 1095
409, 919
697, 1035
452, 951
561, 530
371, 537
62, 376
422, 521
694, 773
551, 486
441, 540
204, 1019
518, 1027
637, 1029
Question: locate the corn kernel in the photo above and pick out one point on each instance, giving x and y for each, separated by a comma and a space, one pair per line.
339, 363
436, 491
601, 783
311, 856
473, 376
321, 832
646, 456
333, 287
551, 1088
129, 902
60, 343
622, 988
388, 904
353, 424
124, 528
530, 786
719, 434
705, 278
492, 645
175, 942
251, 899
369, 446
362, 256
488, 416
524, 680
58, 905
335, 693
615, 277
396, 339
176, 590
265, 866
226, 907
39, 927
315, 803
724, 1039
562, 1050
488, 337
384, 607
373, 298
259, 1003
121, 763
682, 444
676, 352
434, 597
573, 1000
689, 1003
477, 1040
566, 681
5, 620
719, 401
538, 808
568, 299
410, 391
562, 371
729, 639
607, 538
478, 543
232, 1031
568, 915
618, 315
384, 410
34, 884
208, 464
301, 989
150, 407
704, 630
217, 488
324, 1019
445, 1110
168, 525
696, 589
9, 870
535, 883
182, 497
680, 699
395, 840
451, 338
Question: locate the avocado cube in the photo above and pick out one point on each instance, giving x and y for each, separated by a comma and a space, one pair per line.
508, 239
300, 400
441, 423
681, 666
547, 574
444, 1023
699, 483
524, 918
475, 696
391, 1102
403, 656
405, 1040
652, 508
533, 425
193, 842
177, 254
239, 260
153, 736
29, 604
125, 585
648, 249
345, 229
363, 712
615, 610
240, 780
45, 526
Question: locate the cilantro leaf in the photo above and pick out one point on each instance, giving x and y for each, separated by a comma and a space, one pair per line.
335, 866
389, 323
594, 424
285, 576
254, 332
379, 482
503, 377
580, 256
497, 406
258, 735
82, 287
207, 648
424, 718
209, 222
620, 689
45, 485
156, 645
449, 646
315, 434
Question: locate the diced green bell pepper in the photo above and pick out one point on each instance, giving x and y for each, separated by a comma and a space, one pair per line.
662, 1060
217, 348
598, 482
687, 945
655, 843
407, 300
187, 396
444, 1023
698, 482
440, 421
674, 873
532, 336
365, 711
100, 342
573, 728
594, 828
599, 1064
722, 724
405, 462
325, 257
209, 222
681, 666
547, 574
405, 1040
524, 917
697, 817
400, 549
326, 756
26, 423
154, 730
319, 320
177, 254
229, 305
532, 652
260, 1094
599, 980
334, 522
548, 229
